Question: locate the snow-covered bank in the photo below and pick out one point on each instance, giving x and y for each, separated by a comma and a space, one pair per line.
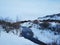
11, 39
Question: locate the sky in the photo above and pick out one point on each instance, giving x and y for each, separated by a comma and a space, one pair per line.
28, 9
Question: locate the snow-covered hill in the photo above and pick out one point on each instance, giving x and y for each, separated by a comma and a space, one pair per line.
45, 35
50, 34
51, 17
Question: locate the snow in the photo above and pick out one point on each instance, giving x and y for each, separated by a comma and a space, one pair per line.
55, 17
27, 24
45, 35
41, 36
11, 39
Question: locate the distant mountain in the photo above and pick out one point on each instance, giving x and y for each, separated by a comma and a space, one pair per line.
51, 17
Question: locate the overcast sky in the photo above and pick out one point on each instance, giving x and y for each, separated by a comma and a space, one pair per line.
28, 9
